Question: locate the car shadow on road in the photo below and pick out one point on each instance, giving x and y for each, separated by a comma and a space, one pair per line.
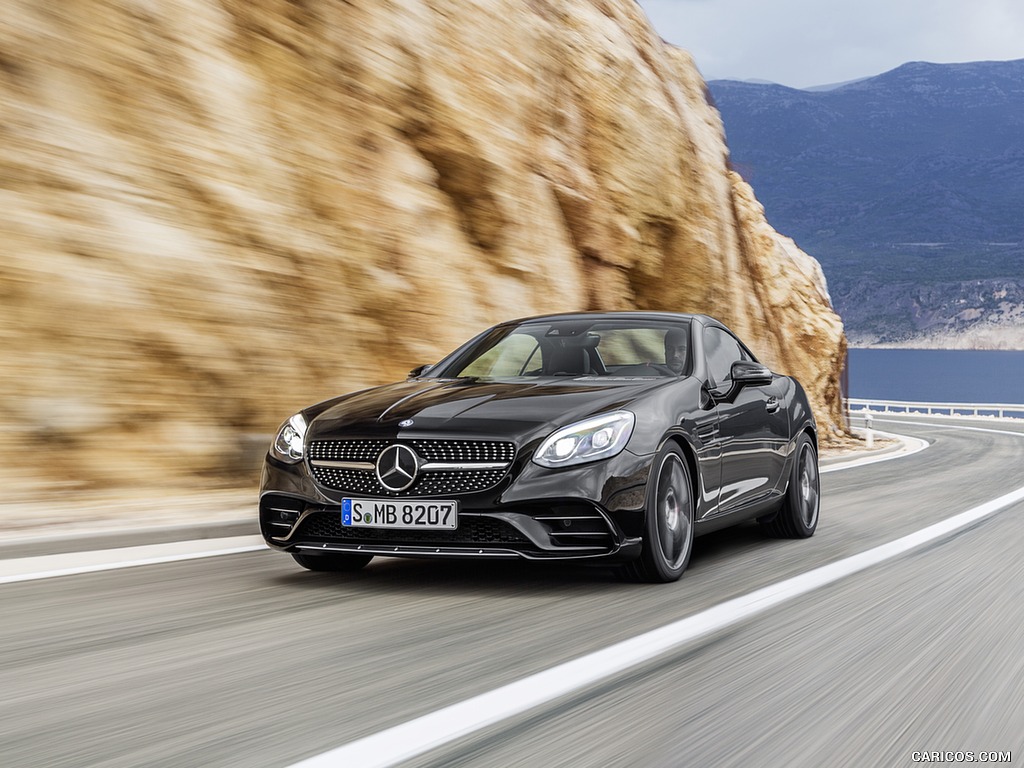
411, 575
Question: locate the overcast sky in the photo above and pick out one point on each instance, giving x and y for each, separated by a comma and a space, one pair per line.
800, 43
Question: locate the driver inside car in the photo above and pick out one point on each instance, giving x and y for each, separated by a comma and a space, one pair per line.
675, 350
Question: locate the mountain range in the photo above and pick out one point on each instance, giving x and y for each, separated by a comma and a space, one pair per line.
908, 187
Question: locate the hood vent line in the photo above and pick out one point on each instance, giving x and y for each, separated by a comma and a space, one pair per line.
408, 397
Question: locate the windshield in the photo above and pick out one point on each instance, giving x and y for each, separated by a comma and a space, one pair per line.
573, 348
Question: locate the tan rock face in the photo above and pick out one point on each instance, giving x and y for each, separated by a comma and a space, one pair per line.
213, 213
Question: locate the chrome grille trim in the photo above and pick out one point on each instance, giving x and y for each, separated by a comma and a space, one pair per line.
440, 466
433, 466
365, 466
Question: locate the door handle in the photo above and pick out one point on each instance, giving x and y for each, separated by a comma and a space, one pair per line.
771, 404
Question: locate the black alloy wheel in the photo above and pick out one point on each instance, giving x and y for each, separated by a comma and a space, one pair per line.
797, 518
668, 523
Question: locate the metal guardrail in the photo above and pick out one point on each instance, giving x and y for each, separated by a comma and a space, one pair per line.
860, 406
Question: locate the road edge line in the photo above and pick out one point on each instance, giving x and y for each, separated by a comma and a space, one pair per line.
19, 569
911, 445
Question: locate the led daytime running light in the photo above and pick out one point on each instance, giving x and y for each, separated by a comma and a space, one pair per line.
592, 439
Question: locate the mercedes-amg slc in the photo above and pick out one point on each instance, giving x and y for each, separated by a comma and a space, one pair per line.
611, 438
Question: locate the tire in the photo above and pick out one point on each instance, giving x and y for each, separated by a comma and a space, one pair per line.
668, 521
797, 518
336, 562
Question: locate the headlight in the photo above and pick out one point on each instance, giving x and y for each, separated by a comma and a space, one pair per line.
588, 440
290, 441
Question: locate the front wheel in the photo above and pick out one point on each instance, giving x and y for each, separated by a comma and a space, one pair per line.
335, 561
798, 516
668, 521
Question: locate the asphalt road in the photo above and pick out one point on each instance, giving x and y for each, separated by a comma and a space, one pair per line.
246, 660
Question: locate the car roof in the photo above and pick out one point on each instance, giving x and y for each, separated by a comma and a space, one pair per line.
619, 315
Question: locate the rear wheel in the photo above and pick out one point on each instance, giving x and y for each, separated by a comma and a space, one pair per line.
334, 561
798, 516
668, 522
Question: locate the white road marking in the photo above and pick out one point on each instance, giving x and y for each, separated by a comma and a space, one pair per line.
70, 564
416, 737
911, 445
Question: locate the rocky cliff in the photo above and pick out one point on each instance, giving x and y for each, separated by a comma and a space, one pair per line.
216, 211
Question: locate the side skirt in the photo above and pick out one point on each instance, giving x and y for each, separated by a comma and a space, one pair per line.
762, 508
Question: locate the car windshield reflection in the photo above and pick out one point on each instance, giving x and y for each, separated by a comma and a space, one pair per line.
606, 348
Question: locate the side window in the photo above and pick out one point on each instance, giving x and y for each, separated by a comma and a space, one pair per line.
721, 350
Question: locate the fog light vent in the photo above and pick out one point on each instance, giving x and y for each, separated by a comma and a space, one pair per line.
280, 512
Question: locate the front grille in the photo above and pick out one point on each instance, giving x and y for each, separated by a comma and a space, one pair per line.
471, 531
429, 450
464, 481
351, 480
429, 482
347, 450
464, 450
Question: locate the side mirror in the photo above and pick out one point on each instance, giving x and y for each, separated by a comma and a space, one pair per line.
747, 373
418, 371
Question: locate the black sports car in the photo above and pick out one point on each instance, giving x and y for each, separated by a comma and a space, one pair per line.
612, 437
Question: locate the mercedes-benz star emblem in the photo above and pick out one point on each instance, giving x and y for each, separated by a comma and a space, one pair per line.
396, 467
405, 423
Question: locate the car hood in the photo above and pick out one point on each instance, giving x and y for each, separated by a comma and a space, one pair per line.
473, 408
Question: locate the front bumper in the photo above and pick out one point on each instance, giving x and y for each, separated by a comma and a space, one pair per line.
589, 512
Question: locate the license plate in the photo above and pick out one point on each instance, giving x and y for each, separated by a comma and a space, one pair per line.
395, 513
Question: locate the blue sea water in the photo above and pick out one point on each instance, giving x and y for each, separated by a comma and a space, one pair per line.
937, 375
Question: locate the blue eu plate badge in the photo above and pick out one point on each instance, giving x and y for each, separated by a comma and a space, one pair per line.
346, 511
